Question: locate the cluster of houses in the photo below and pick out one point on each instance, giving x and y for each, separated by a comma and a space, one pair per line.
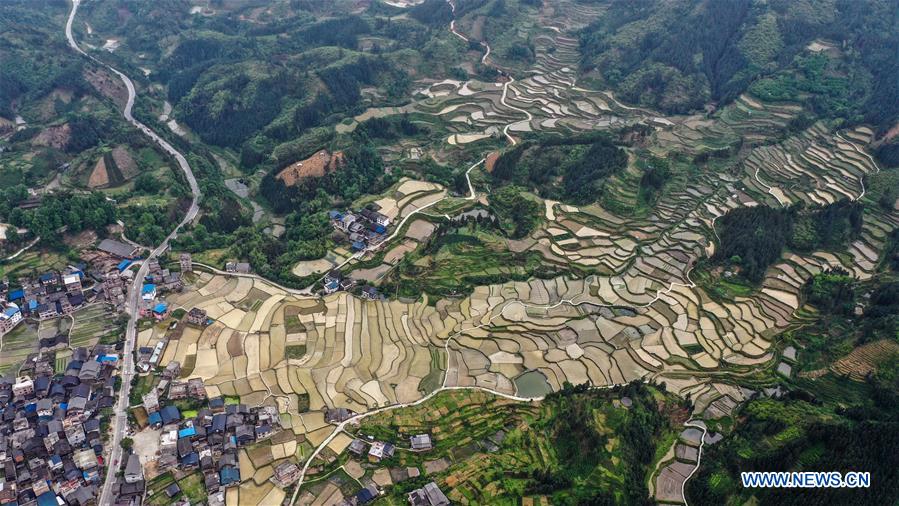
335, 281
51, 435
50, 295
209, 441
156, 281
110, 267
376, 452
362, 229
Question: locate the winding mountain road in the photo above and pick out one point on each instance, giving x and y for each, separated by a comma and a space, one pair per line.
120, 420
511, 80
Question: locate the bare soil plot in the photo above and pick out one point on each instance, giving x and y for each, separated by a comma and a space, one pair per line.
309, 267
420, 230
317, 165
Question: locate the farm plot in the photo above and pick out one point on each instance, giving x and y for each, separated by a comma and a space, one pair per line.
546, 100
864, 360
92, 323
16, 346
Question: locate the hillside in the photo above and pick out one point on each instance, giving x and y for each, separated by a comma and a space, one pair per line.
678, 56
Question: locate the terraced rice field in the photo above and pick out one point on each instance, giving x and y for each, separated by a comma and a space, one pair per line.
815, 167
548, 99
632, 313
636, 314
865, 359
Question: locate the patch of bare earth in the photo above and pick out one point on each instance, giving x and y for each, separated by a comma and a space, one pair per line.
81, 240
108, 85
317, 165
490, 162
235, 345
54, 137
477, 28
99, 176
893, 132
124, 161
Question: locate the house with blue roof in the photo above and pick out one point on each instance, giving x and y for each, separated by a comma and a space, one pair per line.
17, 294
170, 414
124, 264
47, 499
188, 432
332, 286
366, 495
229, 476
148, 292
48, 278
192, 459
9, 318
155, 419
218, 422
160, 310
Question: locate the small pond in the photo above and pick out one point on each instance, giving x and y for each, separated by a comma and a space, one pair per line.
531, 384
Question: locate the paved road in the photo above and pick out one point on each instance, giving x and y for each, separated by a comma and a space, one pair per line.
294, 291
701, 426
24, 249
120, 420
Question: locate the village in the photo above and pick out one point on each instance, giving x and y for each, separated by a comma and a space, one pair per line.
55, 403
53, 428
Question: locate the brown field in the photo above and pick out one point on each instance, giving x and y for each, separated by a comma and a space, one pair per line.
54, 137
124, 161
864, 360
99, 176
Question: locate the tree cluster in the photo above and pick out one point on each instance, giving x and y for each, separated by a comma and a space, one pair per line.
572, 169
754, 237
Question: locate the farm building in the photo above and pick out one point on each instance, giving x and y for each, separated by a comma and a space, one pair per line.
117, 248
421, 442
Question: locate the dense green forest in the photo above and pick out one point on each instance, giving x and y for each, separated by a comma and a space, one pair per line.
64, 212
517, 214
800, 434
677, 56
573, 169
27, 73
752, 238
580, 435
258, 87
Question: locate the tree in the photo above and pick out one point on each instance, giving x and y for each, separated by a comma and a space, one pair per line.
147, 184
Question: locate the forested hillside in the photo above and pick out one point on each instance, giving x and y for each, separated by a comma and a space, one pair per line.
260, 75
677, 56
64, 143
752, 238
572, 170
